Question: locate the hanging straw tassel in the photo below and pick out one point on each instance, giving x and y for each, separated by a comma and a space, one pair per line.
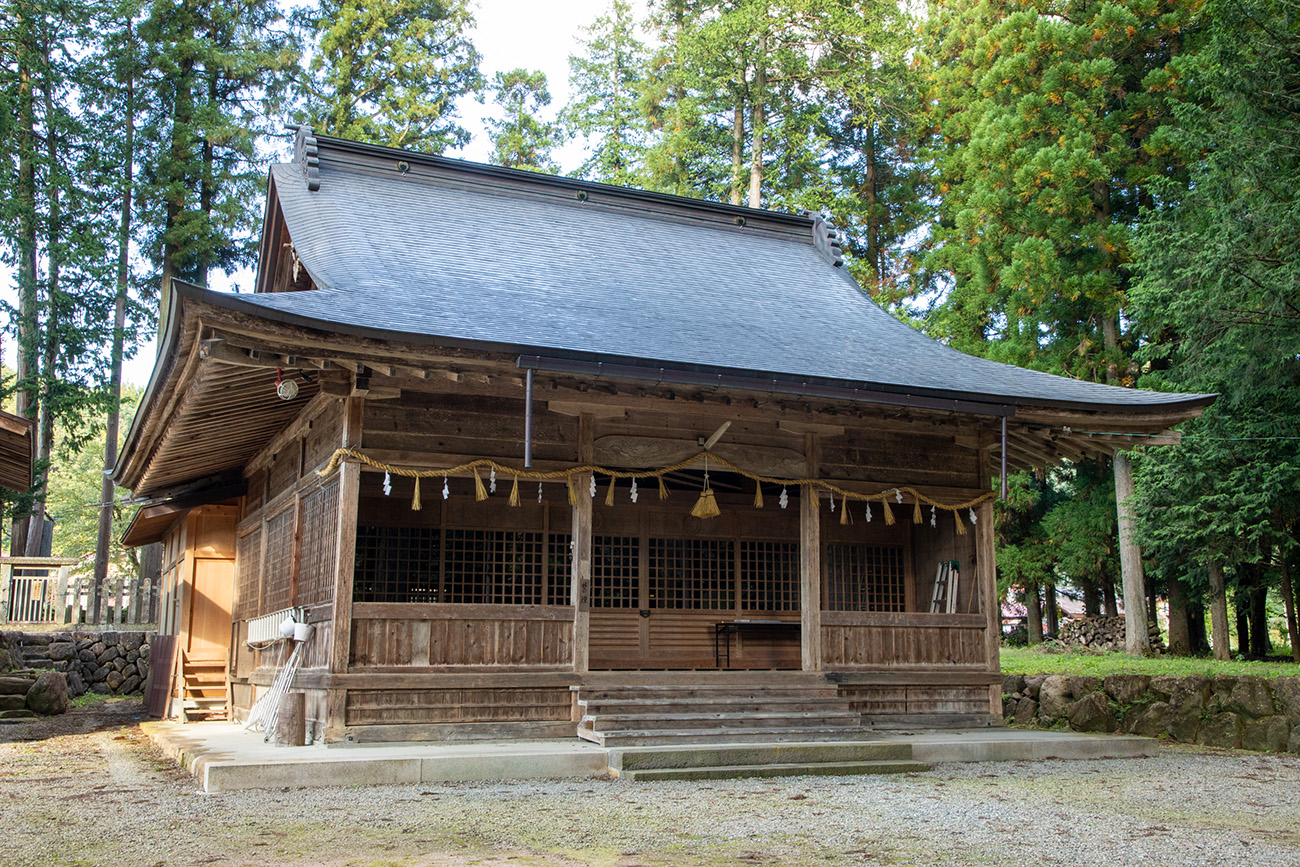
707, 507
916, 511
956, 519
889, 513
609, 495
573, 492
758, 495
480, 492
663, 489
844, 509
514, 491
415, 500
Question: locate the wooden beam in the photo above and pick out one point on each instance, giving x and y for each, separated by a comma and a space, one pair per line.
810, 566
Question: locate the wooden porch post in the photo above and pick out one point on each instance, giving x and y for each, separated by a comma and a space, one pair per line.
580, 589
987, 570
6, 576
345, 563
810, 566
61, 594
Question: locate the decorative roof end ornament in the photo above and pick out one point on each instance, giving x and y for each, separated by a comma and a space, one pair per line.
306, 154
827, 242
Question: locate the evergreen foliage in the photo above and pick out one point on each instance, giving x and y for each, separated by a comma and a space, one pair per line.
522, 140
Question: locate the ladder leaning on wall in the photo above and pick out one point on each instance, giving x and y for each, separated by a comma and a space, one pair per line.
946, 580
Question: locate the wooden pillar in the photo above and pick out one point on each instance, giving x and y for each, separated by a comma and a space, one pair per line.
987, 575
345, 564
810, 565
1136, 640
580, 585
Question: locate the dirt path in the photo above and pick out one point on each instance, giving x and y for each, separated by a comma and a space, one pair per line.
89, 789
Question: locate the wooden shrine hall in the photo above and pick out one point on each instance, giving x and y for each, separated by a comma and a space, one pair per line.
540, 457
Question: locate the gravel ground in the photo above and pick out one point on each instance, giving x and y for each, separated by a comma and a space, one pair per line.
89, 789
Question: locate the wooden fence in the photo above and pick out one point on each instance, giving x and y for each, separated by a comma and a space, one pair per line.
45, 590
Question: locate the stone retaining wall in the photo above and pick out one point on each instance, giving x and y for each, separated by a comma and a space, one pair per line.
1251, 713
108, 663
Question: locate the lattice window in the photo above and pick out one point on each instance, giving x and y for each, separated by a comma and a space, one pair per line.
277, 591
559, 567
769, 576
248, 563
502, 567
319, 551
692, 573
396, 564
615, 572
865, 578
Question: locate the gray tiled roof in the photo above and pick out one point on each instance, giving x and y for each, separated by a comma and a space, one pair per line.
444, 258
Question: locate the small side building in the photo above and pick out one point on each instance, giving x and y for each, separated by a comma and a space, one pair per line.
518, 444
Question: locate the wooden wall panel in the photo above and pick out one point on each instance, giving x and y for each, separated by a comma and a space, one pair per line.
684, 639
906, 640
284, 469
466, 424
472, 641
404, 707
913, 458
325, 435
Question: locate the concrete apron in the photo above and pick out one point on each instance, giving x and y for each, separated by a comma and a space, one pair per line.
224, 757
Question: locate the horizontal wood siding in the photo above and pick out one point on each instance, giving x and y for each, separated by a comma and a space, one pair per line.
684, 639
466, 424
913, 458
480, 635
404, 707
861, 639
882, 700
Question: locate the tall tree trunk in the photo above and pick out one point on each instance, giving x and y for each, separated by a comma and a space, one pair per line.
1180, 635
758, 126
1260, 643
105, 530
1136, 640
1108, 598
27, 364
1034, 622
54, 312
1091, 598
871, 190
1288, 601
1219, 612
737, 150
178, 174
1200, 645
1050, 619
1241, 606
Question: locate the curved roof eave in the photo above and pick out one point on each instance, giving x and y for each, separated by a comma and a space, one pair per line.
1190, 404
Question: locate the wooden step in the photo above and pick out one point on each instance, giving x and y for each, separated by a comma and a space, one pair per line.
734, 772
768, 720
732, 705
707, 691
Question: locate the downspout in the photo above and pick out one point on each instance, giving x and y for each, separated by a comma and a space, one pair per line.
1004, 457
528, 418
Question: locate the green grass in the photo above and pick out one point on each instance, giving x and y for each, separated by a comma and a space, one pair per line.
1021, 660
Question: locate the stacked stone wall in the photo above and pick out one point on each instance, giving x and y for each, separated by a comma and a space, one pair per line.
1243, 712
108, 663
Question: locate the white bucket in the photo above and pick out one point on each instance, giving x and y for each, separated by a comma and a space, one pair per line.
302, 631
